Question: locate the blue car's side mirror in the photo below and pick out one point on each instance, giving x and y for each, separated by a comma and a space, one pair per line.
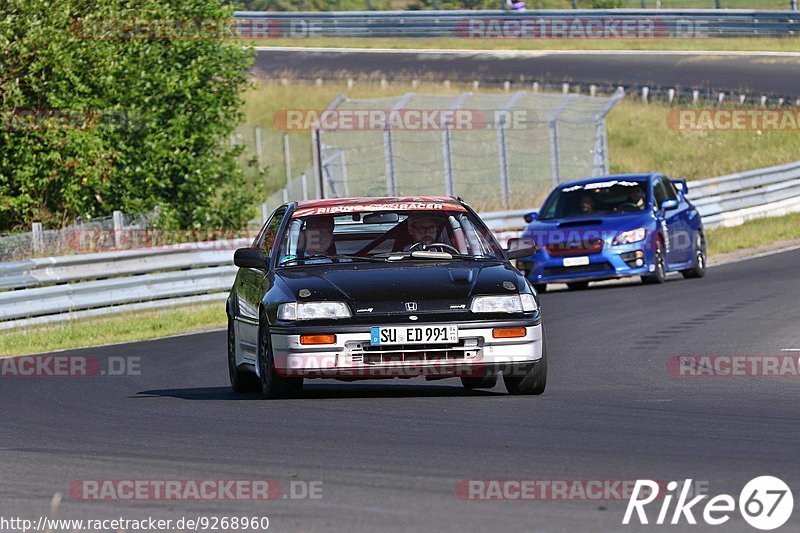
530, 217
669, 204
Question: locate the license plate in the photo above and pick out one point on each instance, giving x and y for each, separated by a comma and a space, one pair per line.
413, 335
576, 261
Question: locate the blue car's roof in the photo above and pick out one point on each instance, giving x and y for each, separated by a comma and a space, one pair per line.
632, 177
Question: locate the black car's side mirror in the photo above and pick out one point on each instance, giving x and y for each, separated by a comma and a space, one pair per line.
249, 258
530, 217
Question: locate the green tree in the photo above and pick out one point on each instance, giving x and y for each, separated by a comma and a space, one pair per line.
93, 122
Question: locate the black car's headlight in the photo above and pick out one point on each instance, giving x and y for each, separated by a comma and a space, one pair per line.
513, 303
313, 310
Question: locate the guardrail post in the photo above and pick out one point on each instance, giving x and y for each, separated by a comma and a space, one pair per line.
117, 218
37, 239
794, 5
304, 185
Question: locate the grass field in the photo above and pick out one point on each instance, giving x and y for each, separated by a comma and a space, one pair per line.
762, 44
753, 234
153, 324
112, 329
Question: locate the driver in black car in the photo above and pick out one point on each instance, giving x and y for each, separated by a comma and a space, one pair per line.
424, 230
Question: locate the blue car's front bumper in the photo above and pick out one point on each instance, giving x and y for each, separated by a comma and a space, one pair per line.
610, 263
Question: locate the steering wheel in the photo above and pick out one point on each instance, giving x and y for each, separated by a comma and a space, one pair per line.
627, 207
442, 246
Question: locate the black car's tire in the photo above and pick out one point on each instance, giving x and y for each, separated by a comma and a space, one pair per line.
483, 382
660, 273
529, 379
272, 385
698, 269
241, 381
540, 288
578, 285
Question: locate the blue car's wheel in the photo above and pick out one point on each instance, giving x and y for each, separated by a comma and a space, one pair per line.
698, 269
659, 275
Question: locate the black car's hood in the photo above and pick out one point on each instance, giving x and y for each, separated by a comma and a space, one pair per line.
381, 288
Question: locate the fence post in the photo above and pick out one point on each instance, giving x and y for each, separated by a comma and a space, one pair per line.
264, 212
304, 185
447, 155
555, 158
501, 149
388, 154
316, 153
287, 157
117, 218
259, 150
794, 5
343, 166
285, 193
37, 238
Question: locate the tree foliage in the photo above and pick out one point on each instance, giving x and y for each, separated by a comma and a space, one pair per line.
92, 122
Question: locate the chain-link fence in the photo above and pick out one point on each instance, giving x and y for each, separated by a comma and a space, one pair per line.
498, 151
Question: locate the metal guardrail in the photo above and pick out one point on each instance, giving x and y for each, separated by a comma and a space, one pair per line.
634, 23
57, 288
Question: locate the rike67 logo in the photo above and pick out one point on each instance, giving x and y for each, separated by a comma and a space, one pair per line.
765, 503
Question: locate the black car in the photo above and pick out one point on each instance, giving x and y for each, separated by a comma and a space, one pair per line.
366, 288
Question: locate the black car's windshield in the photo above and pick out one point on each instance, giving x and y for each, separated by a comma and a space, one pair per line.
597, 198
386, 235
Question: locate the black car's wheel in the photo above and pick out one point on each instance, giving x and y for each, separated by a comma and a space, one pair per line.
659, 275
272, 385
540, 288
483, 382
241, 381
578, 285
698, 269
529, 379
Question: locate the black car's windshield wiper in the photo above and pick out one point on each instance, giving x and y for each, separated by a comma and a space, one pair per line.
428, 254
332, 257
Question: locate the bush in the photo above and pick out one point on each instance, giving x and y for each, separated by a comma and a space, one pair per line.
91, 125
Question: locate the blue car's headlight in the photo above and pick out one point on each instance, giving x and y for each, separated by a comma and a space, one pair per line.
630, 237
313, 310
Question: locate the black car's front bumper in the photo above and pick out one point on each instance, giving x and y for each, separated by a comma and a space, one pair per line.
352, 356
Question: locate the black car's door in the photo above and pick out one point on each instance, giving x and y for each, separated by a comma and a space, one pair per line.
251, 285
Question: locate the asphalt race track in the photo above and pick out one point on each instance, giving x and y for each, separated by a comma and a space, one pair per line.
748, 74
389, 454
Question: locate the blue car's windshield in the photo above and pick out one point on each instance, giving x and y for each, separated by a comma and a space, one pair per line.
596, 198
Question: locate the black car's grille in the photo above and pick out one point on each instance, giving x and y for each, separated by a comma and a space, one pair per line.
582, 269
412, 353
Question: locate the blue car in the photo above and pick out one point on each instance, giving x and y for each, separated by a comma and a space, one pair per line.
612, 227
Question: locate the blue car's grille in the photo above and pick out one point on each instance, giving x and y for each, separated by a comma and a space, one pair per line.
583, 269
